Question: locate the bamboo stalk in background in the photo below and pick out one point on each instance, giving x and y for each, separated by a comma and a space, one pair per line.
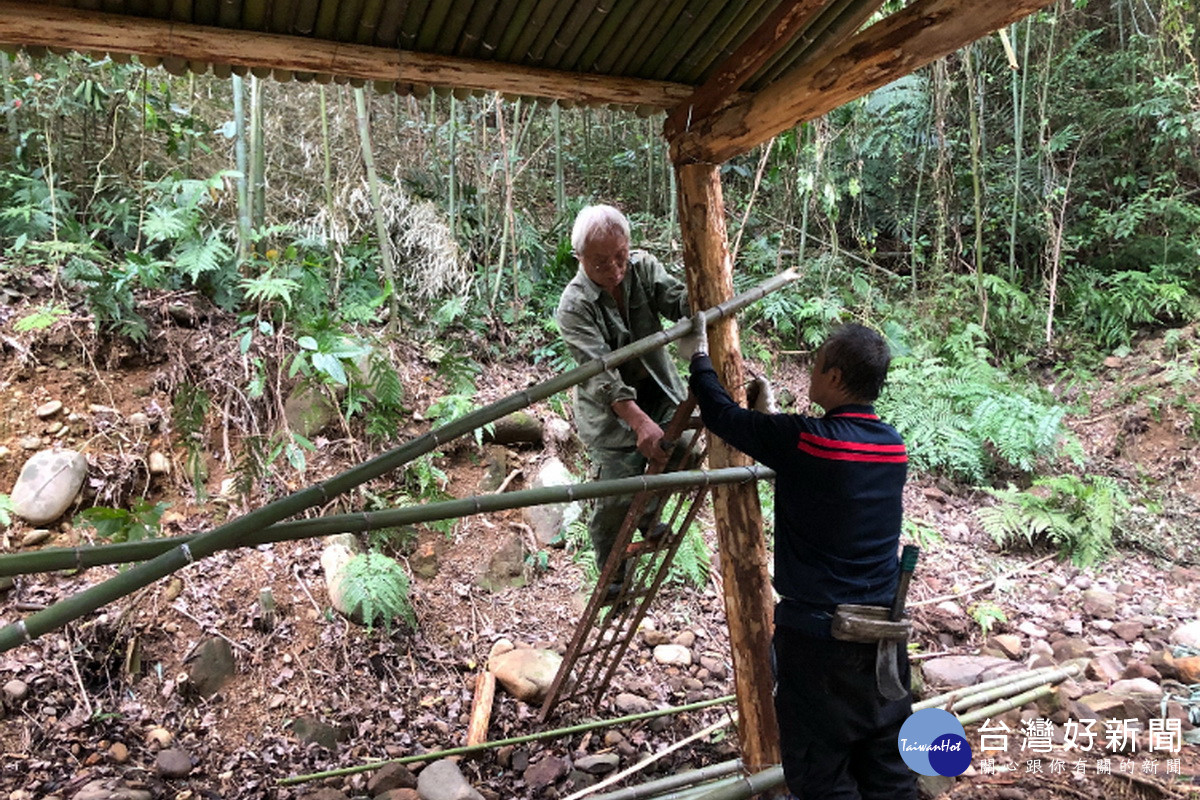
57, 558
748, 786
688, 778
381, 231
999, 687
258, 181
239, 150
1005, 705
231, 533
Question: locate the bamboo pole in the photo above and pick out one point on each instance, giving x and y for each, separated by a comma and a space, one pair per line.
1005, 705
748, 785
670, 783
530, 737
381, 230
56, 558
231, 533
960, 697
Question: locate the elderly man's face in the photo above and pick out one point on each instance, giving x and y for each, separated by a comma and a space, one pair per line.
605, 258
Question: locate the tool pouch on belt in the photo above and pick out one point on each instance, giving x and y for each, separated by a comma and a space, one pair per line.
854, 623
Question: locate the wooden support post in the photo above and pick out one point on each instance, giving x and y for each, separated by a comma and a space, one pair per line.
481, 708
748, 602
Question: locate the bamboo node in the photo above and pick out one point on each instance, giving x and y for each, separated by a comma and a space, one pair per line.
24, 631
187, 552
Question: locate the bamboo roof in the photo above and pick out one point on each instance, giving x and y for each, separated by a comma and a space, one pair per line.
698, 60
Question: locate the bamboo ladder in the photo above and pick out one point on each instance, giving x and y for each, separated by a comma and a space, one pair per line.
609, 624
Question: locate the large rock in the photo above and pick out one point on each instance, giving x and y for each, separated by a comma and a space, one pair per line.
1187, 635
442, 780
526, 672
210, 666
506, 567
389, 777
550, 521
1099, 603
953, 672
48, 484
308, 410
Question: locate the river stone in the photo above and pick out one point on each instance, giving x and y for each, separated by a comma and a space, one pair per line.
526, 672
15, 690
399, 794
1187, 635
629, 703
1007, 644
210, 666
600, 764
389, 777
955, 671
545, 772
158, 463
1099, 603
549, 521
35, 537
31, 442
110, 789
673, 655
442, 780
1071, 648
48, 484
311, 730
173, 763
1128, 629
48, 409
1136, 686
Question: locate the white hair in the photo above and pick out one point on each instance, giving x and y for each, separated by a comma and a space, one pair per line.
596, 219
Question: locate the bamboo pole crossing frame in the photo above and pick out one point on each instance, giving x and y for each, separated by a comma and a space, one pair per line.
231, 534
58, 558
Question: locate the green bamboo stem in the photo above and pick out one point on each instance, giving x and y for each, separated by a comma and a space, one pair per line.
239, 150
698, 791
1005, 705
381, 231
748, 785
231, 533
689, 779
1021, 682
958, 694
57, 558
531, 737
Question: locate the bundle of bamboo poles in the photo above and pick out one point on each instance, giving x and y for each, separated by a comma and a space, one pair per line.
236, 532
1000, 694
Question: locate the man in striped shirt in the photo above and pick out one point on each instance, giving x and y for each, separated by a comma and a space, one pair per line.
838, 486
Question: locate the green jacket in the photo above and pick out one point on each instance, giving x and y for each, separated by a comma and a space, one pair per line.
592, 327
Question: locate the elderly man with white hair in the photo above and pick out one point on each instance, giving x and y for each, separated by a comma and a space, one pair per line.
619, 296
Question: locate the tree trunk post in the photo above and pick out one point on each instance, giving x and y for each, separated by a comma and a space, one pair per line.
748, 602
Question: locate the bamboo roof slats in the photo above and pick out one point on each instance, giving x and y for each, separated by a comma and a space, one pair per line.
387, 31
181, 10
305, 18
254, 16
735, 23
471, 41
205, 12
585, 15
326, 22
536, 50
647, 58
691, 40
229, 13
413, 14
613, 19
222, 70
431, 26
447, 38
618, 58
364, 29
346, 20
160, 9
504, 17
282, 16
518, 38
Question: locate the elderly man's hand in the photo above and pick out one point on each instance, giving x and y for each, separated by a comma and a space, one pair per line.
695, 342
649, 441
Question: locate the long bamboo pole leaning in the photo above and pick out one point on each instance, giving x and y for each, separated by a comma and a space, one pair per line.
229, 534
57, 558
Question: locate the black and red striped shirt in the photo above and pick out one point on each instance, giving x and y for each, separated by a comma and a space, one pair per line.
838, 499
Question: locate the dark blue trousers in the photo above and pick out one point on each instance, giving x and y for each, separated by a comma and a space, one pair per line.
837, 734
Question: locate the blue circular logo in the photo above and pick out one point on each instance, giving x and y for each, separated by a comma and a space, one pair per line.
932, 742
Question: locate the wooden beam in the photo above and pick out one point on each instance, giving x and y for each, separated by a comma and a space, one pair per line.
780, 27
33, 24
748, 603
894, 47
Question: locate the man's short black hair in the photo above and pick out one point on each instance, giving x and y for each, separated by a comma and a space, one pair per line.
863, 357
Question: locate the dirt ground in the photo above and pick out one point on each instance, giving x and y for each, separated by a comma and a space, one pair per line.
104, 694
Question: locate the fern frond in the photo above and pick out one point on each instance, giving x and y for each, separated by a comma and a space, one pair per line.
198, 257
378, 588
